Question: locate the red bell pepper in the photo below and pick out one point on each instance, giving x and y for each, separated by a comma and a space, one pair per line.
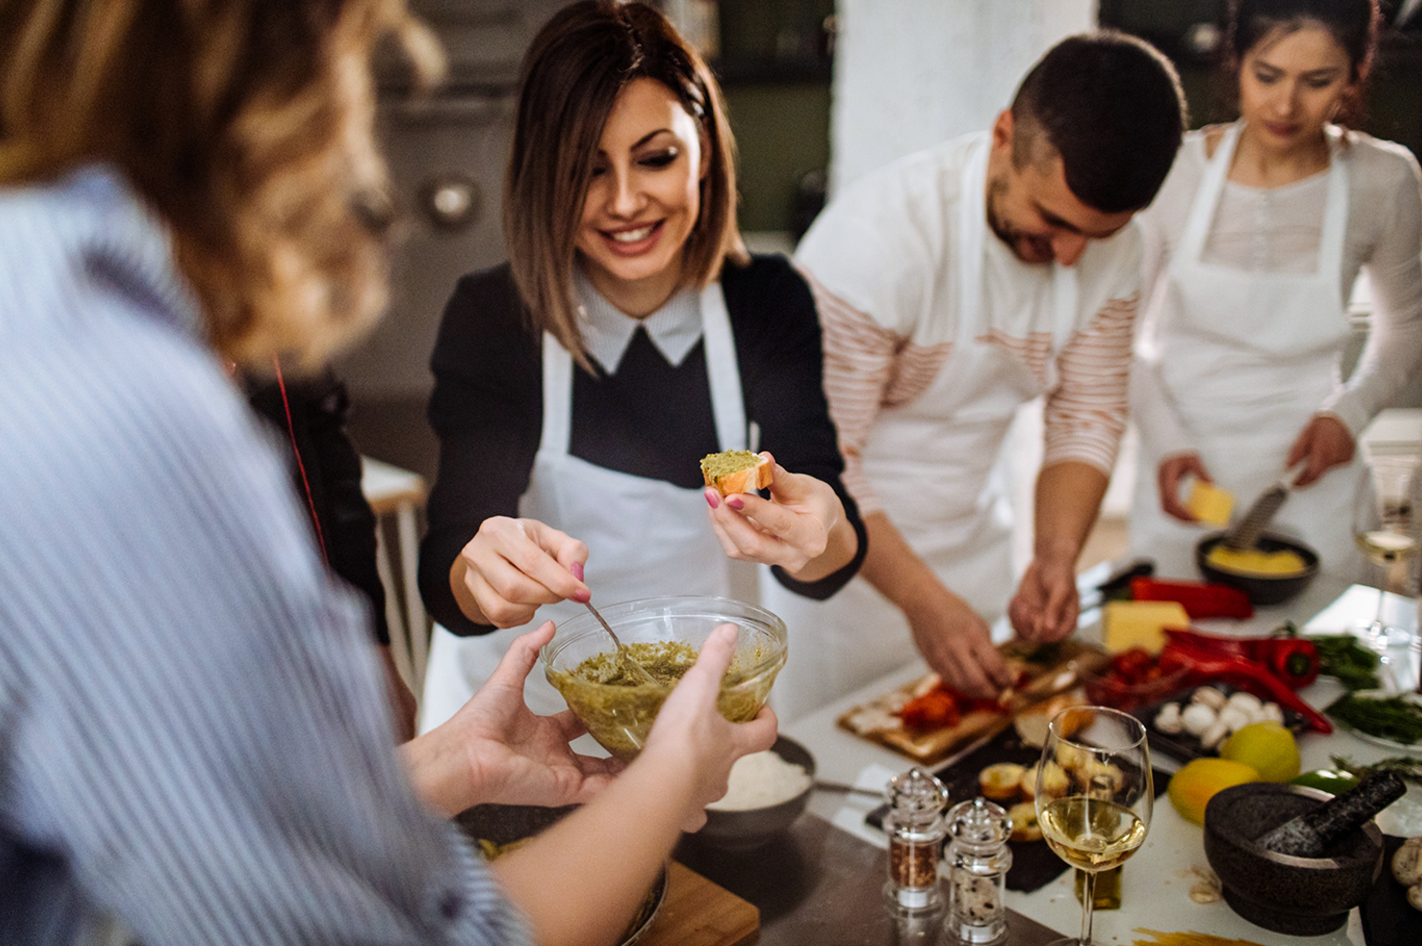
1200, 599
1203, 666
1293, 660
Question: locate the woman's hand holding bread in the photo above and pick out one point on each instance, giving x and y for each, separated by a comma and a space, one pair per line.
801, 527
513, 566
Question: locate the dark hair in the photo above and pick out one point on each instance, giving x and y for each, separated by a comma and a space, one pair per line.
571, 76
1111, 106
1353, 23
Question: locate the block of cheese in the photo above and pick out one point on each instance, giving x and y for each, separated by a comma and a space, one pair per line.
1127, 624
1210, 504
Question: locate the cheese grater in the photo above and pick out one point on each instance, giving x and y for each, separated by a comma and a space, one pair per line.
1244, 533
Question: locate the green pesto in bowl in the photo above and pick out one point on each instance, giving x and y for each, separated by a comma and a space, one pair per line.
664, 635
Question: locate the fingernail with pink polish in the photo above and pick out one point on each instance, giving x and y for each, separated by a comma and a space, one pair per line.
582, 596
577, 569
736, 503
713, 498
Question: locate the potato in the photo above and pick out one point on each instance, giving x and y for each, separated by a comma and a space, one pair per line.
1407, 862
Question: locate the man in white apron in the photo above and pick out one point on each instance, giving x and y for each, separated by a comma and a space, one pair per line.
936, 332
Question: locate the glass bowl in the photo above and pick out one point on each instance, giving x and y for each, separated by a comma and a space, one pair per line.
579, 661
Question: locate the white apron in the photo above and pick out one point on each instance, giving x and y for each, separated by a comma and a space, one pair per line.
1247, 358
934, 463
644, 536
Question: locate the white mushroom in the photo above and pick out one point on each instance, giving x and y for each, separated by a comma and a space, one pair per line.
1168, 719
1414, 896
1248, 703
1407, 862
1215, 734
1272, 713
1196, 718
1233, 717
1208, 696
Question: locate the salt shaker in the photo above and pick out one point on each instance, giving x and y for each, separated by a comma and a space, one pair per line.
978, 858
915, 828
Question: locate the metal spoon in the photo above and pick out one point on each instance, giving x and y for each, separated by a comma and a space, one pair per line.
624, 657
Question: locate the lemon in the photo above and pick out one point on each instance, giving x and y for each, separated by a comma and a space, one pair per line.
1196, 783
1268, 747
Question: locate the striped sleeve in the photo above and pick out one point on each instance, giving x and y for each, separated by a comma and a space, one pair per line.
867, 368
1086, 413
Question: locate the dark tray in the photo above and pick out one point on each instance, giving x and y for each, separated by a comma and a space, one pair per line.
1184, 747
1033, 863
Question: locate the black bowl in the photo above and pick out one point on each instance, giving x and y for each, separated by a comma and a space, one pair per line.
1261, 589
751, 827
1301, 896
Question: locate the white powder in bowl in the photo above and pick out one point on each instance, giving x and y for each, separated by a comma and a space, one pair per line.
760, 780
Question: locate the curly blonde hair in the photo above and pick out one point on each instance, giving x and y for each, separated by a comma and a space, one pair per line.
247, 126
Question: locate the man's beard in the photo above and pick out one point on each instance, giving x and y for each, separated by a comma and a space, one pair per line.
1027, 248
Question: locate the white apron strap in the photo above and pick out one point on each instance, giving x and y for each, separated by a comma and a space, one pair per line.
557, 397
723, 371
1335, 214
1202, 212
972, 227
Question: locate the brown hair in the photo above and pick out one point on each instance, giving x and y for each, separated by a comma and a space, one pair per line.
571, 76
1353, 24
246, 125
1111, 105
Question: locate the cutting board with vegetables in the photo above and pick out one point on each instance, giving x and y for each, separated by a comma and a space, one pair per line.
927, 721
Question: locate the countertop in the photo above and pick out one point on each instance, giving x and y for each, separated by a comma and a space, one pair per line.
825, 863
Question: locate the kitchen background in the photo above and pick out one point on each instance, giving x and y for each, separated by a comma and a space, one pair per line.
819, 91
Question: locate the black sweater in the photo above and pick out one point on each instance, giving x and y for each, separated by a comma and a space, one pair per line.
650, 419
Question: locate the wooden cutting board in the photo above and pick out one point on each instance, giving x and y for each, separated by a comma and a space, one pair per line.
698, 912
875, 720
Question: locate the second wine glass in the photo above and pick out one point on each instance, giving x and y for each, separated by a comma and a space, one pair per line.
1094, 794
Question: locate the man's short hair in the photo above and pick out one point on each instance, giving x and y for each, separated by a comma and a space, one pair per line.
1111, 106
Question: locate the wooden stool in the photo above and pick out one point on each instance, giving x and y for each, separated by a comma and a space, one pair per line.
401, 493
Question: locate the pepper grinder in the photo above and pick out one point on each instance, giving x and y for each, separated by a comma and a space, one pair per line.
915, 828
978, 859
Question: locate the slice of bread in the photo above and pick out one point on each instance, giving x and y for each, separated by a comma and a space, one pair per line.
736, 471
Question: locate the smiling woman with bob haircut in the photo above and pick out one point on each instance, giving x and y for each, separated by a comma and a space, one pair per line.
1253, 246
630, 334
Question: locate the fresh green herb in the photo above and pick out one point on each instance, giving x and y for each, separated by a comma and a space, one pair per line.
1342, 657
1407, 767
1393, 717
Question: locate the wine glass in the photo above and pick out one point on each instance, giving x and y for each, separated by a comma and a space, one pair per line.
1094, 794
1383, 529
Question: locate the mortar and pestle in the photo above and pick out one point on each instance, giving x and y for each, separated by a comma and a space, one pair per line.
1286, 892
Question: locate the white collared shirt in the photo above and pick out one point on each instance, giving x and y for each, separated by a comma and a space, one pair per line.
607, 331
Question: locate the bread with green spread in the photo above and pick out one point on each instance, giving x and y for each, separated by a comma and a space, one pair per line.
736, 471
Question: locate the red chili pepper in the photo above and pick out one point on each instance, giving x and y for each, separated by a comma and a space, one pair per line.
1200, 599
1293, 660
1203, 665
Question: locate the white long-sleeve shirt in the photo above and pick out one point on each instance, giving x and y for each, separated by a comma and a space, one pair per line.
882, 259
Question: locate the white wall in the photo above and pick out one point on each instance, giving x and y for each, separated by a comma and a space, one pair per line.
911, 73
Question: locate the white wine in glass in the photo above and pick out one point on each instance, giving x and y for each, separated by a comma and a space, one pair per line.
1099, 817
1383, 528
